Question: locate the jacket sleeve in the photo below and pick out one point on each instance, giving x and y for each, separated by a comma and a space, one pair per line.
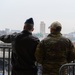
7, 38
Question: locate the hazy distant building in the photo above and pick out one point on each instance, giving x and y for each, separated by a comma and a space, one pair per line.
7, 30
17, 31
42, 28
2, 32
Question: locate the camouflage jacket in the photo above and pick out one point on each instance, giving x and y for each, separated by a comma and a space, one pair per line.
54, 51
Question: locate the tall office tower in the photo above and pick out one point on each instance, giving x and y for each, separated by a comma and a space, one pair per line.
42, 28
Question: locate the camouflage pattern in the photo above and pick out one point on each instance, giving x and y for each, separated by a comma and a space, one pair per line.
54, 51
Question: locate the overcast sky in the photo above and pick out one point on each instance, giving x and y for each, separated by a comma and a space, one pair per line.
13, 13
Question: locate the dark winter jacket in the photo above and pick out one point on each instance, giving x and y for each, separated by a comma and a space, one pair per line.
23, 49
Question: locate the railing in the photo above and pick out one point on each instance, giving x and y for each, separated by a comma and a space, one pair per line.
5, 59
5, 62
68, 68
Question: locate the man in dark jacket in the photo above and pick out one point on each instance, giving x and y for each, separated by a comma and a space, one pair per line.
23, 49
54, 51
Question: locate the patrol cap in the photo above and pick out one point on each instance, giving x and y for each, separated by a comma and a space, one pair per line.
55, 25
29, 21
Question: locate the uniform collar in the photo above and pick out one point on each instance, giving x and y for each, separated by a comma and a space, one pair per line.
55, 35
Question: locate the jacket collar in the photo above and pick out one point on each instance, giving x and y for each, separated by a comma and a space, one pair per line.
55, 35
26, 32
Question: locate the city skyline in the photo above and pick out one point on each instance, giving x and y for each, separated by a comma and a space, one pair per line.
14, 13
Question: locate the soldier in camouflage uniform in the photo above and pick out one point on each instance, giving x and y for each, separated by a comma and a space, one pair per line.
54, 51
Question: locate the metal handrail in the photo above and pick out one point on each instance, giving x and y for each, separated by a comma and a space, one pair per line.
3, 48
64, 65
9, 47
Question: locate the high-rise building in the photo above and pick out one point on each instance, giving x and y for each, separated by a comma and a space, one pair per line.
42, 28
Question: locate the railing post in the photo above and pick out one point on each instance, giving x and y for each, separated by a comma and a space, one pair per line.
6, 56
9, 61
3, 60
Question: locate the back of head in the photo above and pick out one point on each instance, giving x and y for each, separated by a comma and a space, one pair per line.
29, 24
56, 26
